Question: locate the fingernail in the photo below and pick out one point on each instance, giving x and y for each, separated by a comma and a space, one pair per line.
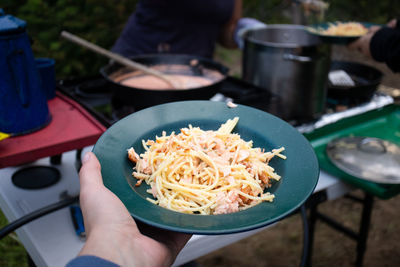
86, 157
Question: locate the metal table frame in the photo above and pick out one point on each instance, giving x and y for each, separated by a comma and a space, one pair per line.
360, 237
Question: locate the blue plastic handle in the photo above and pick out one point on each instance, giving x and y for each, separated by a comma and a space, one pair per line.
77, 219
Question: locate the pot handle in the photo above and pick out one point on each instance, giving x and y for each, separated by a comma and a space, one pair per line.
296, 58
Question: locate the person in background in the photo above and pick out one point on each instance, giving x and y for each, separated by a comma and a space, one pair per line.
113, 237
182, 27
179, 26
381, 44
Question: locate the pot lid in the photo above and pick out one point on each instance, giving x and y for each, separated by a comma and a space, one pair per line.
368, 158
10, 24
282, 36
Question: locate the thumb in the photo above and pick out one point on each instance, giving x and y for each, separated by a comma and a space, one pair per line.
90, 173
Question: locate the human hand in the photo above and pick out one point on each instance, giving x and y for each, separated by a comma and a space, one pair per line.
243, 26
112, 234
362, 44
392, 23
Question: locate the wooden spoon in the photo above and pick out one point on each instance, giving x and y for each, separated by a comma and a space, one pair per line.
120, 59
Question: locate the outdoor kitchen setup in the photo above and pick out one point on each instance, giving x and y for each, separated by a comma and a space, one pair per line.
287, 72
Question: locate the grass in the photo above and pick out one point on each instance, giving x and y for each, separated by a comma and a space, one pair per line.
230, 58
12, 253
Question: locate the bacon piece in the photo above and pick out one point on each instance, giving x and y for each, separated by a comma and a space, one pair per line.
132, 155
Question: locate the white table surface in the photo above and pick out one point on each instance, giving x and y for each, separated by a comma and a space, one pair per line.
51, 240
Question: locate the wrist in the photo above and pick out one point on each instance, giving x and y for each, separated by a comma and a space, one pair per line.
115, 246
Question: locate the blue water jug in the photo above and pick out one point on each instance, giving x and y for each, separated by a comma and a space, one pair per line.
23, 104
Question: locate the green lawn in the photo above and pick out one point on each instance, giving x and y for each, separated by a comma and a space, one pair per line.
12, 253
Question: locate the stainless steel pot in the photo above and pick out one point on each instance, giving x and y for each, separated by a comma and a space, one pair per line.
292, 64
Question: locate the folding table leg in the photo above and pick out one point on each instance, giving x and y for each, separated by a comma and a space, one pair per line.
56, 159
360, 237
312, 219
364, 228
312, 204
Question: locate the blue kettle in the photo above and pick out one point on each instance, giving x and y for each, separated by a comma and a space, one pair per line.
23, 103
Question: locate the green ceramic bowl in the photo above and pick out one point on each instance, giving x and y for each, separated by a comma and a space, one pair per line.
300, 171
317, 29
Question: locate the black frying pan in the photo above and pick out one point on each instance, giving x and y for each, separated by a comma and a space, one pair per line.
366, 80
143, 98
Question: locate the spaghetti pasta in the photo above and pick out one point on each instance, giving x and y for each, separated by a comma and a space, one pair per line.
205, 172
345, 29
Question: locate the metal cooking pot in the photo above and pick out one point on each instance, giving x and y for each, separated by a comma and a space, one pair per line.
292, 64
186, 65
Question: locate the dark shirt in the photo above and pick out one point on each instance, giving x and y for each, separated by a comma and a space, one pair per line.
174, 26
385, 47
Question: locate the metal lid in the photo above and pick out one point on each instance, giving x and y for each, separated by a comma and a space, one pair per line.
368, 158
282, 36
10, 24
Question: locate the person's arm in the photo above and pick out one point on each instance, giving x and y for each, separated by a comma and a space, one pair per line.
381, 44
112, 234
226, 37
385, 47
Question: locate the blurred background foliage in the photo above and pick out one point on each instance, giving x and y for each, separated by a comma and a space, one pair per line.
101, 21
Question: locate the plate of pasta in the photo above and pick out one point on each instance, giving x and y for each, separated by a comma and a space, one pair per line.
340, 32
202, 167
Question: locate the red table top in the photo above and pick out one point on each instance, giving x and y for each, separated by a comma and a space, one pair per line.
71, 127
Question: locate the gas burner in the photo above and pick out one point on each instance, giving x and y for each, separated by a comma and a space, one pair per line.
120, 111
341, 104
36, 177
94, 93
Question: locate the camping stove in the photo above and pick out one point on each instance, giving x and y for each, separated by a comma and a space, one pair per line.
95, 95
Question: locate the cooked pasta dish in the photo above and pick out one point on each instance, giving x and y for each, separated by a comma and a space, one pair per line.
205, 172
345, 29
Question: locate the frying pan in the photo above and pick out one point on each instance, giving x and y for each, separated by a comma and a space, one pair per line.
366, 80
187, 65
